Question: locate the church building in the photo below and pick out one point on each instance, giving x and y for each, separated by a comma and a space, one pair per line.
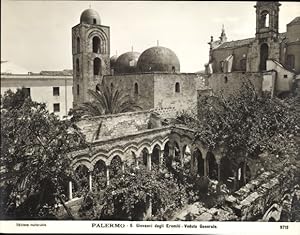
271, 59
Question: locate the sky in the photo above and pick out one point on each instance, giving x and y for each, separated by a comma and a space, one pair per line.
36, 35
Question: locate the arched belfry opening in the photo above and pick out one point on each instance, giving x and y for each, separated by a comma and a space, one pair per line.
264, 54
264, 19
96, 44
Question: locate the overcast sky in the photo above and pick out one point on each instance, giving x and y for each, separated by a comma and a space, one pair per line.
36, 35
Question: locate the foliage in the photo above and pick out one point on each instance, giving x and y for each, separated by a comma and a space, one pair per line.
34, 149
127, 196
106, 100
246, 124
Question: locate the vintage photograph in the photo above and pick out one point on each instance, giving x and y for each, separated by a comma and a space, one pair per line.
150, 111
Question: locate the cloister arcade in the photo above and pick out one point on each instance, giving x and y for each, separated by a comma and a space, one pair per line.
154, 147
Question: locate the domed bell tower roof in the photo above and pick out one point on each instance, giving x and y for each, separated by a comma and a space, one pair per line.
90, 16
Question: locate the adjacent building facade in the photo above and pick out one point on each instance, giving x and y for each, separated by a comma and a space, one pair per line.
52, 88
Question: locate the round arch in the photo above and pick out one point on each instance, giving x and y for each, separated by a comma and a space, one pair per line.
115, 168
212, 166
197, 162
99, 175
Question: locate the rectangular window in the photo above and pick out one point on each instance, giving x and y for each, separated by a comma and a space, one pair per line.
285, 76
26, 91
55, 91
56, 107
77, 89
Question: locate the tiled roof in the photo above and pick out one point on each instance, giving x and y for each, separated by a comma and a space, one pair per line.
244, 42
295, 21
236, 43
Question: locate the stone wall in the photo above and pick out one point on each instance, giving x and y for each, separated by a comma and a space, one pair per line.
126, 83
165, 95
114, 125
231, 83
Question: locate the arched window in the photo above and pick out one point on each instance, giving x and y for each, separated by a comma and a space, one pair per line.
177, 87
111, 86
136, 89
264, 19
264, 54
97, 66
225, 79
173, 69
77, 66
78, 44
96, 44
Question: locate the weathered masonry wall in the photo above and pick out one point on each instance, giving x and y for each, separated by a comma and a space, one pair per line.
177, 90
125, 83
114, 125
231, 83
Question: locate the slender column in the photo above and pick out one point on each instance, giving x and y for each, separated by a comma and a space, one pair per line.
182, 158
219, 172
149, 161
123, 167
107, 175
136, 163
244, 172
235, 180
149, 208
205, 167
161, 158
90, 182
70, 191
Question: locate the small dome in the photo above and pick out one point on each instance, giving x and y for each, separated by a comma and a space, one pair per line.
90, 16
158, 59
126, 63
113, 61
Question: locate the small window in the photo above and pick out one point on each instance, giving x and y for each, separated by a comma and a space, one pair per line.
222, 66
243, 64
225, 79
56, 107
55, 91
78, 45
285, 76
78, 89
94, 21
136, 89
77, 66
97, 88
26, 91
173, 69
177, 87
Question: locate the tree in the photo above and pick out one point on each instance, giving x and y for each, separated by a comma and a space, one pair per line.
246, 124
106, 100
34, 157
128, 196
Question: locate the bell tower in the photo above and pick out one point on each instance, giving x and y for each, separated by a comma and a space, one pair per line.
267, 14
91, 55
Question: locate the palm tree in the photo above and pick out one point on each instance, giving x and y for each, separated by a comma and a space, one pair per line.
106, 100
